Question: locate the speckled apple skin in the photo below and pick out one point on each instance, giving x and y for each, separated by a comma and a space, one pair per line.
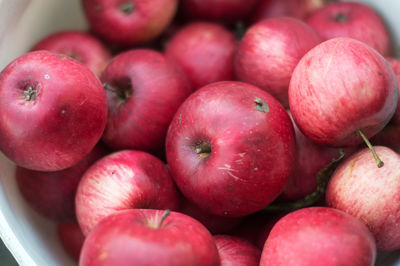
370, 193
252, 152
146, 21
319, 236
362, 23
123, 180
269, 52
340, 86
61, 124
81, 46
234, 251
131, 237
204, 51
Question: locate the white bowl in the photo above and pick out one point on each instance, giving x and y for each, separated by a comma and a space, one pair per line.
31, 238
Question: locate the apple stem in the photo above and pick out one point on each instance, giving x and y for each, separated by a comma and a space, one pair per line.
323, 177
164, 215
379, 162
30, 94
127, 7
122, 94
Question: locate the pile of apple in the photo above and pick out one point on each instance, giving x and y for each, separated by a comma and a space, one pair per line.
162, 138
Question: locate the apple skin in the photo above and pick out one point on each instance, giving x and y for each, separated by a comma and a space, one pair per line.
250, 151
319, 236
214, 223
226, 11
123, 180
204, 51
299, 9
369, 193
143, 106
134, 237
269, 52
310, 158
234, 251
129, 22
340, 86
81, 46
353, 20
71, 238
395, 64
52, 194
53, 111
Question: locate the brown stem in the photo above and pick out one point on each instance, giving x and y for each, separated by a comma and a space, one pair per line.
164, 215
379, 162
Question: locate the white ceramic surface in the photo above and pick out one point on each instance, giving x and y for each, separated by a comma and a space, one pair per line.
30, 238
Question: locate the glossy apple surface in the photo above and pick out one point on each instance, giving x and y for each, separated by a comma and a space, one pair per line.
319, 236
230, 148
269, 52
339, 87
53, 111
79, 45
144, 90
123, 180
144, 237
234, 251
129, 22
369, 193
353, 20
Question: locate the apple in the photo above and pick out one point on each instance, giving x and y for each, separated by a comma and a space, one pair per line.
353, 20
230, 148
149, 237
71, 238
81, 46
395, 64
269, 52
123, 180
129, 22
370, 194
319, 236
214, 223
310, 159
204, 51
144, 90
53, 111
52, 194
299, 9
234, 251
226, 11
389, 137
342, 89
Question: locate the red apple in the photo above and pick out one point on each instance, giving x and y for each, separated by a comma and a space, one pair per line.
340, 87
217, 10
214, 223
291, 8
123, 180
53, 111
129, 22
310, 159
395, 64
269, 52
79, 45
230, 148
389, 137
234, 251
149, 237
204, 51
144, 91
71, 238
52, 194
371, 194
319, 236
353, 20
